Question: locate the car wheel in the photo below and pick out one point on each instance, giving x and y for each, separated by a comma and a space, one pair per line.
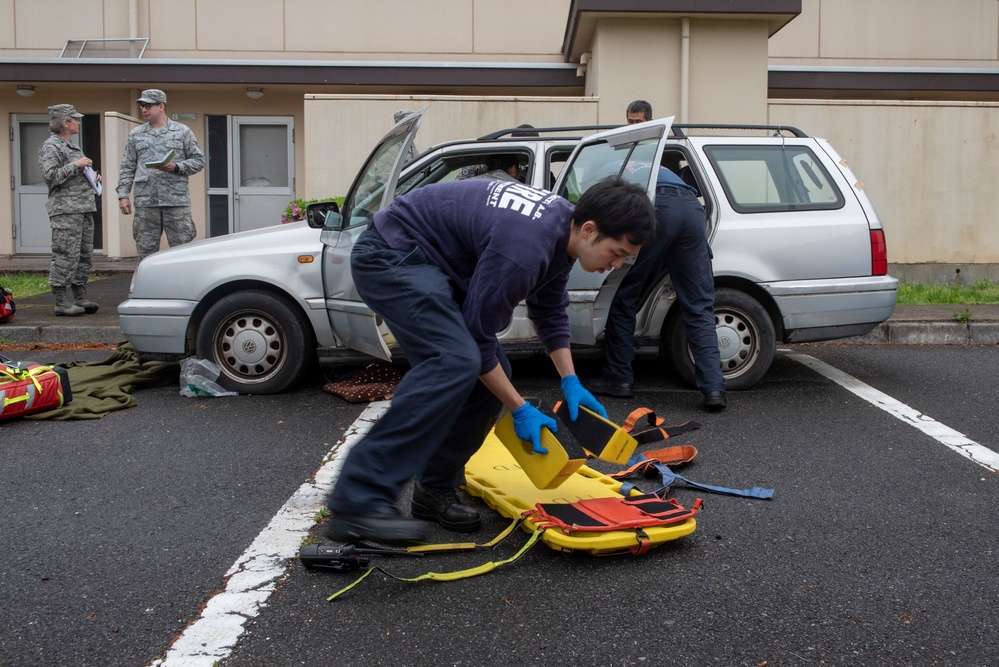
746, 340
258, 341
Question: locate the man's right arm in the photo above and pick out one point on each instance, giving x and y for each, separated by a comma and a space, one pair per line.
126, 174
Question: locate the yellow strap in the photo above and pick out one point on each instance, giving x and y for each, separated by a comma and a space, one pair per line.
466, 546
448, 576
17, 399
27, 374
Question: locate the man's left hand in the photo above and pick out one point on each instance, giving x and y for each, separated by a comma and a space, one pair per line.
576, 395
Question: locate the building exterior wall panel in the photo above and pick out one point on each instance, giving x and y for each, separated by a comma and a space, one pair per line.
341, 130
175, 27
930, 169
522, 27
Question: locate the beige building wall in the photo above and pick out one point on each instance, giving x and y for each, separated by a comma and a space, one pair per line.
118, 241
643, 59
728, 72
890, 33
298, 29
634, 59
341, 130
929, 167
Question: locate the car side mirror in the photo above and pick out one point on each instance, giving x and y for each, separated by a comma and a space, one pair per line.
323, 215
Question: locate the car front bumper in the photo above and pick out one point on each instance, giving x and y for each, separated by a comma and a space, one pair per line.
156, 326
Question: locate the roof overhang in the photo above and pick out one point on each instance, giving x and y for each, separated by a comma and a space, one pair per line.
882, 80
275, 72
584, 15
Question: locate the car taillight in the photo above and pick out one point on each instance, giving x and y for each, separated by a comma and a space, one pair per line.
879, 253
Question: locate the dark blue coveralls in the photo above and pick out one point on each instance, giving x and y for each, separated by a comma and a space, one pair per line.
680, 248
468, 253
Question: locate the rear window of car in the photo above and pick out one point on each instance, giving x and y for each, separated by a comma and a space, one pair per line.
767, 179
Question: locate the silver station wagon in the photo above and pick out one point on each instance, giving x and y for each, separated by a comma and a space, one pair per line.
799, 256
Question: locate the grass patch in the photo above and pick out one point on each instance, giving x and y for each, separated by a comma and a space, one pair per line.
982, 292
23, 284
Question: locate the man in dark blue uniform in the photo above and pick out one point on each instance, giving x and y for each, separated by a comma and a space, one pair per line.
445, 266
681, 249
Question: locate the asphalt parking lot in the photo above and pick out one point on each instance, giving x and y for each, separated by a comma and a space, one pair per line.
878, 547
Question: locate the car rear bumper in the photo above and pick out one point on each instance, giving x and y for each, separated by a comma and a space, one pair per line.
814, 310
156, 326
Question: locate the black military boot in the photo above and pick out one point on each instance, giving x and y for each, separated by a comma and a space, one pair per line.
444, 507
81, 300
63, 305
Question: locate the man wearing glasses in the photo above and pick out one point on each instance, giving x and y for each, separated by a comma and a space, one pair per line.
159, 156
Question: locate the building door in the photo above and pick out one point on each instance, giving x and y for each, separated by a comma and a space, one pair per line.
251, 171
31, 222
32, 233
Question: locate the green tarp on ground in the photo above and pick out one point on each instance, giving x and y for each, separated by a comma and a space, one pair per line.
100, 387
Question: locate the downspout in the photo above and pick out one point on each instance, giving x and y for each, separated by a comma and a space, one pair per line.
133, 24
684, 69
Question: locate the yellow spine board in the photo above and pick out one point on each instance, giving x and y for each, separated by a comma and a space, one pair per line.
494, 475
545, 471
600, 437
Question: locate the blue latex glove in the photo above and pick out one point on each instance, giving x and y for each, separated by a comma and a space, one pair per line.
527, 423
576, 394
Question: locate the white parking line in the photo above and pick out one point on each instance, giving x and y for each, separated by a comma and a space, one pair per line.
960, 443
255, 574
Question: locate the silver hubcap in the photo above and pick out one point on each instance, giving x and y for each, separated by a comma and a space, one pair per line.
249, 347
738, 341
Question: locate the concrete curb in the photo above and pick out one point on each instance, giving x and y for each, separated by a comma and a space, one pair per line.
56, 333
928, 333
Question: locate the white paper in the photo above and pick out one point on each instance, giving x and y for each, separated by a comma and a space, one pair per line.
91, 176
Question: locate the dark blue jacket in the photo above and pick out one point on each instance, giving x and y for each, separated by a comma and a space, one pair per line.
499, 243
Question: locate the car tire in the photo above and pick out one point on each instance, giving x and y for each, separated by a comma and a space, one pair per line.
257, 339
746, 340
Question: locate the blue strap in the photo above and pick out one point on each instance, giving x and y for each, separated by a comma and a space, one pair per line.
669, 477
627, 488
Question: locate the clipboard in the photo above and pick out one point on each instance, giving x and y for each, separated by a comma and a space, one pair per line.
159, 163
91, 177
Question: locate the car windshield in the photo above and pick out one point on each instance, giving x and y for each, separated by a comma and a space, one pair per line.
631, 161
366, 199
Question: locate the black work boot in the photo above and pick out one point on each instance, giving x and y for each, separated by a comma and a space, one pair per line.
444, 507
63, 304
610, 388
383, 525
714, 401
80, 299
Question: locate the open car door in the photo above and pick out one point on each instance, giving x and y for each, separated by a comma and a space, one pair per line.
633, 152
372, 190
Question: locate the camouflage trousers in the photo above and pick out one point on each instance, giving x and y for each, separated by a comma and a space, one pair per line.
72, 249
152, 222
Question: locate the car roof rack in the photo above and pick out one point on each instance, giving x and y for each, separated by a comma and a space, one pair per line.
677, 130
529, 132
680, 130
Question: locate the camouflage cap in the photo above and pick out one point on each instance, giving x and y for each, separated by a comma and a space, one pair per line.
63, 111
400, 114
152, 96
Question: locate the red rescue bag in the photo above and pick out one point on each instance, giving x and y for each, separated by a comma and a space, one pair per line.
7, 306
27, 388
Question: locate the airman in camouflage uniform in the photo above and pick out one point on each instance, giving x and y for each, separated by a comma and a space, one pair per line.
162, 199
71, 207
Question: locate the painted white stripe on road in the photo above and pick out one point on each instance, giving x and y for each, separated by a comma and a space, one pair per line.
255, 574
957, 441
